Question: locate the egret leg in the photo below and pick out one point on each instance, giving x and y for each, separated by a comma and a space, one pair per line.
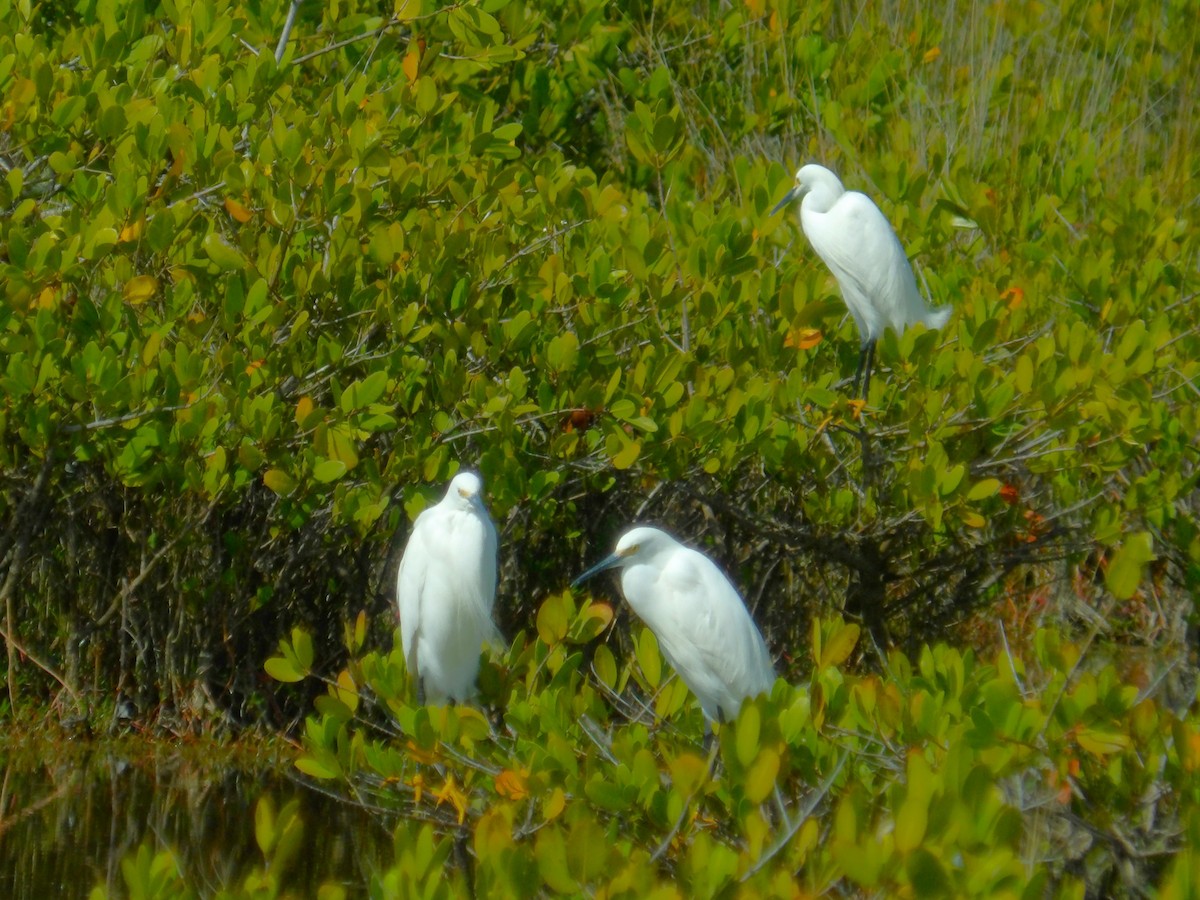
866, 359
862, 359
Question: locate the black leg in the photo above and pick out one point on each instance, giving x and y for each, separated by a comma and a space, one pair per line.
862, 359
866, 357
867, 363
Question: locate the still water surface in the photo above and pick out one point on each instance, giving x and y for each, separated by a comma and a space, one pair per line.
70, 813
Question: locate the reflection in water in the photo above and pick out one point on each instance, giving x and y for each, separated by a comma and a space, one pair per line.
68, 815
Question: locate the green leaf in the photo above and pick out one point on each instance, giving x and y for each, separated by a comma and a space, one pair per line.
627, 455
67, 111
1102, 743
508, 131
911, 821
226, 257
283, 670
302, 646
760, 780
749, 725
981, 490
605, 665
324, 769
264, 824
363, 393
550, 850
279, 481
839, 646
648, 658
607, 795
329, 470
1126, 566
553, 619
928, 875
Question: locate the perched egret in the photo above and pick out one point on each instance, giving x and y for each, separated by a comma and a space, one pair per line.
702, 625
858, 244
445, 588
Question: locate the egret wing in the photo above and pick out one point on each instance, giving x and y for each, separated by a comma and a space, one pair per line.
410, 585
708, 635
861, 249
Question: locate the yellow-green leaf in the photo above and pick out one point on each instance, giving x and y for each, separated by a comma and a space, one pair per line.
648, 658
981, 490
749, 726
1127, 564
140, 288
1102, 743
226, 257
552, 619
760, 780
329, 470
282, 670
279, 481
840, 646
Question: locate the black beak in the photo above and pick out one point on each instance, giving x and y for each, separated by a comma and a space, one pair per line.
794, 194
606, 563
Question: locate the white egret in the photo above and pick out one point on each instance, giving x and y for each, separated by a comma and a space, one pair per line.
703, 627
859, 246
445, 588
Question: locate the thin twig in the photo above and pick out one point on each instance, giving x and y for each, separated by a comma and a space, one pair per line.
287, 30
128, 417
345, 42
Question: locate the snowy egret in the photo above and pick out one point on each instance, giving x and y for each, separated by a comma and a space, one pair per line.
702, 625
858, 244
445, 588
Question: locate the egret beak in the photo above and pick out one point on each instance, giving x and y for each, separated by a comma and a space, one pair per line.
794, 194
606, 563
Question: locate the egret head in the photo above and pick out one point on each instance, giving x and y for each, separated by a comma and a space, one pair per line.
811, 178
638, 545
465, 488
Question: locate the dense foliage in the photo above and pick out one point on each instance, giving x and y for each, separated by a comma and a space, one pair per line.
252, 304
946, 775
260, 304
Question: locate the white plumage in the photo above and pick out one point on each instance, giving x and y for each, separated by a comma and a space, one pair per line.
866, 258
703, 628
445, 588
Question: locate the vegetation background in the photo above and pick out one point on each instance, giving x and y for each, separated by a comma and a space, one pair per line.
268, 286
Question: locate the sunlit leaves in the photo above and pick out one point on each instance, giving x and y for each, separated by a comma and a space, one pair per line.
309, 291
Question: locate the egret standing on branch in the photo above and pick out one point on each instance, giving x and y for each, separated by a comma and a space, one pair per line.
858, 244
703, 627
445, 588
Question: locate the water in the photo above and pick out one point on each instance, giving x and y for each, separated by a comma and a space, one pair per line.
70, 813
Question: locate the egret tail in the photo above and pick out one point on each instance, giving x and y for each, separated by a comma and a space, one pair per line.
936, 318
